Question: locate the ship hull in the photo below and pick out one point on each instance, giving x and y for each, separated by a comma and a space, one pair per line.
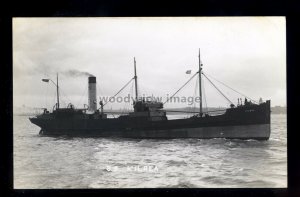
163, 130
257, 132
250, 122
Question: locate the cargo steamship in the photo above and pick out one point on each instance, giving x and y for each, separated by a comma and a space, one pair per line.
248, 120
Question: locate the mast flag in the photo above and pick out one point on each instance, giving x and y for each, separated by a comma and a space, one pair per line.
45, 80
188, 72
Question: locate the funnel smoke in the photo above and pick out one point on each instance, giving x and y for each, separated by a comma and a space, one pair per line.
76, 73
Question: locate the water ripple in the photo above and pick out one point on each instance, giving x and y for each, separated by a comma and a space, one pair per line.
64, 162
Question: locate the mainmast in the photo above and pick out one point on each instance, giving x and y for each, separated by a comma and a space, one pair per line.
57, 92
200, 90
135, 81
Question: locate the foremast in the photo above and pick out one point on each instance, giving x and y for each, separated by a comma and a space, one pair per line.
135, 81
57, 91
200, 90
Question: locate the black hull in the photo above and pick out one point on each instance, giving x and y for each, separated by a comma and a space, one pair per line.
257, 132
237, 123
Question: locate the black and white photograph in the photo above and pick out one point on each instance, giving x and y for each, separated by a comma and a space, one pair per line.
149, 102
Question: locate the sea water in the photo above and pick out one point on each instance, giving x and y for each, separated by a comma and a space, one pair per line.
62, 162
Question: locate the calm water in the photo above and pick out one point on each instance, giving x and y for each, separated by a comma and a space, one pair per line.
48, 162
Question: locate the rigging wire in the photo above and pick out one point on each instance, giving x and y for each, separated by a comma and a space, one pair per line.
127, 104
46, 95
48, 100
195, 93
131, 93
64, 95
119, 91
204, 95
99, 88
139, 88
84, 95
54, 96
217, 88
99, 92
181, 87
232, 88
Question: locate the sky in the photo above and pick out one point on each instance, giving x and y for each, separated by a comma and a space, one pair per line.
246, 53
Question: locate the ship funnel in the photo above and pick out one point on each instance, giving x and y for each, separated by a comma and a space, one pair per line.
92, 94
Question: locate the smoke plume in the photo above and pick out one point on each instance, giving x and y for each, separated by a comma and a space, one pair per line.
77, 73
